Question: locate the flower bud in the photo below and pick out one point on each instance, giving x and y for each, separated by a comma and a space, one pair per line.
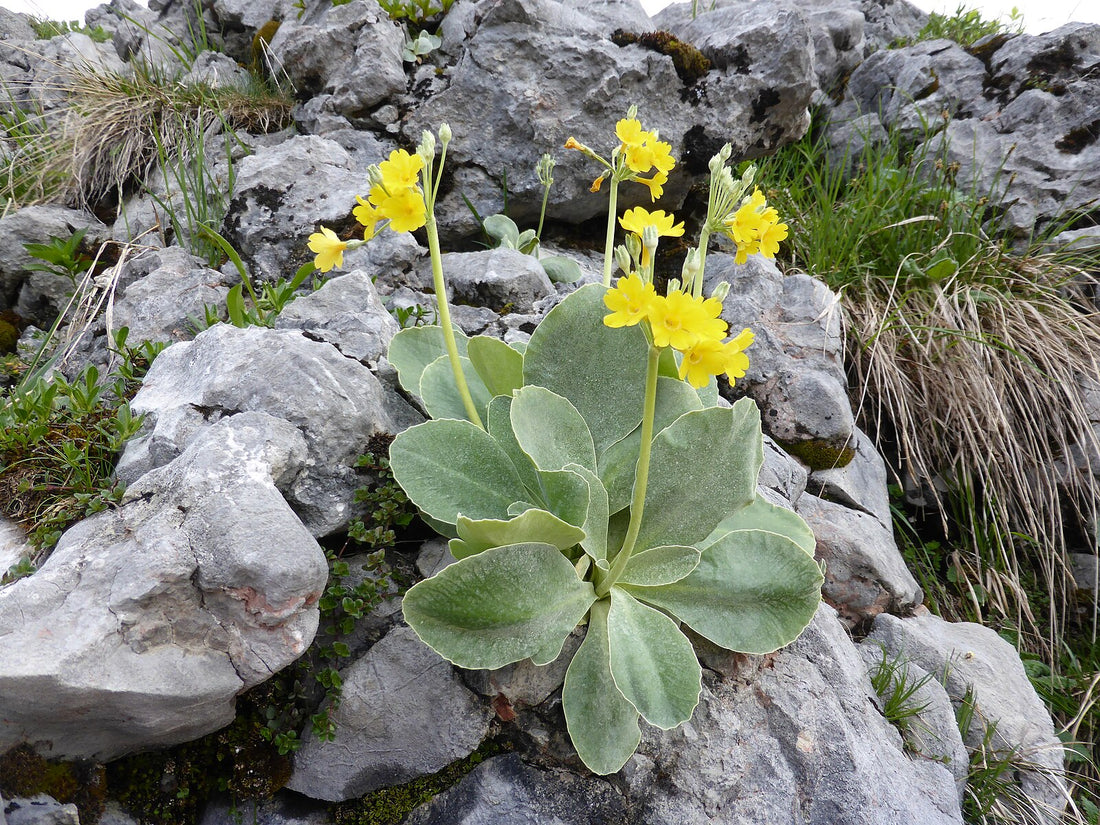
545, 170
674, 285
633, 246
444, 133
622, 259
426, 149
649, 237
721, 291
691, 266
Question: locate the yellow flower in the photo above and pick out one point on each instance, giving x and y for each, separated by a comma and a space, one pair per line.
662, 157
639, 158
736, 360
675, 320
366, 215
773, 233
706, 358
572, 143
404, 208
401, 170
637, 219
656, 184
630, 132
597, 183
328, 248
629, 302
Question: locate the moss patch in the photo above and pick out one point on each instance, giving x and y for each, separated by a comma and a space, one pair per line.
690, 63
390, 806
820, 455
24, 773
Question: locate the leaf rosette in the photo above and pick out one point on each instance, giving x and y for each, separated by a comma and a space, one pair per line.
537, 506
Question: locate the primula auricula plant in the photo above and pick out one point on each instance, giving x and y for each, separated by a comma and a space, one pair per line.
537, 462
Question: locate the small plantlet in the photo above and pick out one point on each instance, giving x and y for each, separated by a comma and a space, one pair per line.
45, 29
897, 690
417, 48
61, 256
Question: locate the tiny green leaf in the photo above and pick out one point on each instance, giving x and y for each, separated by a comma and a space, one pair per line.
653, 663
602, 723
561, 270
503, 229
499, 606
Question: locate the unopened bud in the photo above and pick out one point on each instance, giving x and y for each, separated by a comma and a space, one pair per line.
444, 133
545, 170
632, 112
674, 285
721, 291
426, 149
633, 246
622, 259
649, 237
691, 266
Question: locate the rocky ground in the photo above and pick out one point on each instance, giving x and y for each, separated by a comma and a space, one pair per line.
149, 620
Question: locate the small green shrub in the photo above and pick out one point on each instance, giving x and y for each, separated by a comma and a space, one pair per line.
966, 27
897, 691
44, 29
59, 440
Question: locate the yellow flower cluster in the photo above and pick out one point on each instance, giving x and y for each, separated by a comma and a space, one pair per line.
643, 152
395, 196
686, 323
755, 228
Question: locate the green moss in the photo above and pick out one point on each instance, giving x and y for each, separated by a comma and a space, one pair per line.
24, 773
820, 455
170, 787
390, 806
690, 63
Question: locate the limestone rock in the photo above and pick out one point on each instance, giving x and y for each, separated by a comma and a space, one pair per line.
860, 484
146, 621
403, 714
347, 313
970, 657
335, 402
865, 574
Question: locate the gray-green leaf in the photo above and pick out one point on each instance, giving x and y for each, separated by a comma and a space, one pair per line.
602, 723
763, 515
561, 270
551, 430
412, 349
498, 365
653, 663
531, 526
499, 606
660, 565
599, 369
447, 467
440, 393
753, 592
705, 466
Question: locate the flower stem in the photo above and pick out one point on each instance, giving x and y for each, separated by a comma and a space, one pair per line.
445, 319
609, 243
704, 239
641, 475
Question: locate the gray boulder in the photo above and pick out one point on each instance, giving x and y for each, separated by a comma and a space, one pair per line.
347, 313
350, 54
793, 737
535, 72
504, 790
402, 714
865, 574
796, 364
971, 658
147, 620
38, 810
284, 192
861, 484
498, 279
335, 402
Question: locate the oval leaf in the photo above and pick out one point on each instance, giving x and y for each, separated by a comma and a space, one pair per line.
550, 430
531, 526
561, 270
499, 422
619, 461
412, 349
502, 228
596, 519
660, 565
498, 365
601, 722
499, 606
653, 663
763, 515
599, 369
447, 467
706, 464
753, 592
439, 392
